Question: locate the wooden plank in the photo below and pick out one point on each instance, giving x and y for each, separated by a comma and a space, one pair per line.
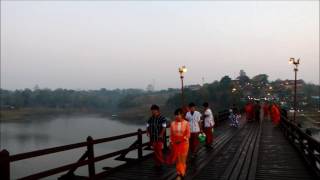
233, 164
215, 168
246, 169
254, 161
277, 158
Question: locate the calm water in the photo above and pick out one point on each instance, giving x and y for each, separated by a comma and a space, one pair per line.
33, 134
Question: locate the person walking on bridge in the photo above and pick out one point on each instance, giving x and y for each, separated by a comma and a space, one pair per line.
233, 119
249, 111
257, 109
266, 110
179, 141
156, 127
208, 124
194, 118
275, 114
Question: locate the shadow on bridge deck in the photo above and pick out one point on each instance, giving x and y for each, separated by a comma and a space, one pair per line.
255, 151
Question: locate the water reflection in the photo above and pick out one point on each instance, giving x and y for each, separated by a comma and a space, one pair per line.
37, 138
33, 134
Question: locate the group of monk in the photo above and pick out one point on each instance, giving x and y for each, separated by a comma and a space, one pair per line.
185, 129
270, 110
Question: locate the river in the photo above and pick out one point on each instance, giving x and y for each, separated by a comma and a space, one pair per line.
34, 134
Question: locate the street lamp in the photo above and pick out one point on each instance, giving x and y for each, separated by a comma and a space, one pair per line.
295, 63
182, 70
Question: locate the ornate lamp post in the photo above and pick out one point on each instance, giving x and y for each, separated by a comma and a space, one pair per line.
295, 63
182, 70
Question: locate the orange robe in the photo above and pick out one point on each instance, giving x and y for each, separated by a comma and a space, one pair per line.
249, 111
275, 114
265, 110
179, 137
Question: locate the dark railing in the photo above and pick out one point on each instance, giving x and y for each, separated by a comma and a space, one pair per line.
221, 116
308, 147
88, 158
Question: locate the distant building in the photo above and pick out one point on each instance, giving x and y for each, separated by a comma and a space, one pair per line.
194, 87
315, 97
150, 88
242, 73
235, 82
289, 84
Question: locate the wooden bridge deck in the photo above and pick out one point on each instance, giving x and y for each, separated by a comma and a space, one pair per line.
278, 159
145, 169
254, 151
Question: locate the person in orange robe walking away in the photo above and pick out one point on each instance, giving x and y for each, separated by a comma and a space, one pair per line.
249, 111
275, 114
266, 110
179, 141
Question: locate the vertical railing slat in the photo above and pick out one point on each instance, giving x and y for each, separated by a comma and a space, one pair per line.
139, 144
4, 165
91, 166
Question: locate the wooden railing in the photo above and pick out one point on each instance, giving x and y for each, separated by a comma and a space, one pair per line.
88, 158
308, 147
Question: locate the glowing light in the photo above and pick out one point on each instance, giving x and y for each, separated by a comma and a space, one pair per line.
291, 60
182, 69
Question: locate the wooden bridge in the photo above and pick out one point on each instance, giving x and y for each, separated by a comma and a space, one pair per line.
256, 150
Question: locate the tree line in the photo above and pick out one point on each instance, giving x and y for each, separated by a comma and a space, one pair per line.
221, 94
65, 98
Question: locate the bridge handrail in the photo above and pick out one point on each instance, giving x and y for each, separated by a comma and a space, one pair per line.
57, 149
308, 146
77, 164
6, 159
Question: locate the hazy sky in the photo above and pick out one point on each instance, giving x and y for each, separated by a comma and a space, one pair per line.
90, 45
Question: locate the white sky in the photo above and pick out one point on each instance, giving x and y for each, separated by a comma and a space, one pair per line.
90, 45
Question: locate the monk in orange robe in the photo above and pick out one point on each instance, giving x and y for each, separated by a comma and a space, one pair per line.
275, 114
179, 141
249, 111
266, 110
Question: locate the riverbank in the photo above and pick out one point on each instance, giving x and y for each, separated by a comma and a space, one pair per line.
140, 114
24, 113
137, 115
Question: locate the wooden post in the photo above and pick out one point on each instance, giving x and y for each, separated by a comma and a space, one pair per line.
311, 155
4, 165
91, 167
139, 144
